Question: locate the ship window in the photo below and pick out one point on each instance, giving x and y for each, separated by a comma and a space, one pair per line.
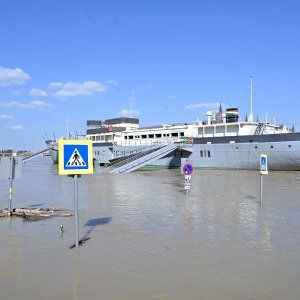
151, 136
181, 133
137, 137
272, 147
174, 133
208, 153
131, 137
255, 147
201, 153
251, 141
125, 137
236, 147
144, 136
290, 146
158, 135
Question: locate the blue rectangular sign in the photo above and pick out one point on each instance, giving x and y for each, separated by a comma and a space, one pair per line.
263, 164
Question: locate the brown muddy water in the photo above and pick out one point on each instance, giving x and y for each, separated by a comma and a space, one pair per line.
149, 240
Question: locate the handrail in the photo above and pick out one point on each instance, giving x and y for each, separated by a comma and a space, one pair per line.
127, 159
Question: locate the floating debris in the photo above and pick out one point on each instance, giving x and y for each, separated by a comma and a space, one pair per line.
35, 214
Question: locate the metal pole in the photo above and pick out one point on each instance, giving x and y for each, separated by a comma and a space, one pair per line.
76, 210
11, 183
251, 96
261, 189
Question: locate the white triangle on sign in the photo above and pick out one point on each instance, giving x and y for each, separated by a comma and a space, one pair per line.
76, 159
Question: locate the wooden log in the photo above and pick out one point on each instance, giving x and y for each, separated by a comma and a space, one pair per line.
34, 214
66, 215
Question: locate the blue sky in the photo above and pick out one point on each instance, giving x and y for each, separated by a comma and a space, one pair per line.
81, 59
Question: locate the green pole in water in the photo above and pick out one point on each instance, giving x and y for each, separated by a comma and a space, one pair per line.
11, 182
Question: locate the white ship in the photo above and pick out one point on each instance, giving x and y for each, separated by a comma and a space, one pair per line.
221, 142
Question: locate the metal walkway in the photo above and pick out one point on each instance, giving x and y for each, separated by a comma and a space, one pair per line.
131, 163
27, 158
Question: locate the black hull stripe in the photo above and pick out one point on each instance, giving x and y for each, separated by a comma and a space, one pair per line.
264, 138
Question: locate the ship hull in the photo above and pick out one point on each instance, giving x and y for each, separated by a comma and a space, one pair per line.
236, 152
53, 150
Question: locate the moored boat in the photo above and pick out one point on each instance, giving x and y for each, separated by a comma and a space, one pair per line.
222, 141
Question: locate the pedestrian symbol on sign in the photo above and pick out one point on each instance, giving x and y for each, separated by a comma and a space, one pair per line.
76, 159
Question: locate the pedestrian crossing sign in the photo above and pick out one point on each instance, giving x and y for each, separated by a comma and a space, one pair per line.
75, 157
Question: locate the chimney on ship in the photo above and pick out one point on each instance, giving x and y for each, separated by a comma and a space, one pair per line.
208, 114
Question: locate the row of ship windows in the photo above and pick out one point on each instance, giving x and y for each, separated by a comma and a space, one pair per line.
152, 136
256, 147
204, 153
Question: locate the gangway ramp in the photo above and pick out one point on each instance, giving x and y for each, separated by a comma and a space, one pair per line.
27, 158
122, 160
141, 159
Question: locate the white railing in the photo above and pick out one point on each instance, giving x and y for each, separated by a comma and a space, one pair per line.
152, 142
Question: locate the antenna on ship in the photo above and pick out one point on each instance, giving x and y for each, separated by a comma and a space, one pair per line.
250, 118
68, 133
132, 97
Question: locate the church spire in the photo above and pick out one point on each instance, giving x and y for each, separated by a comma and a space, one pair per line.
293, 128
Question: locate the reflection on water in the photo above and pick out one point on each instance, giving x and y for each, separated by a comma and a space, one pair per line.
146, 239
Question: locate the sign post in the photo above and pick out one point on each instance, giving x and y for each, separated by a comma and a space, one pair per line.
76, 210
187, 170
263, 171
74, 159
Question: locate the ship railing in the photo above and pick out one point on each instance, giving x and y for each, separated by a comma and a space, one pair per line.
151, 142
261, 128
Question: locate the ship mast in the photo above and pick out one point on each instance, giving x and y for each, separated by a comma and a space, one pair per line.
250, 118
130, 115
68, 132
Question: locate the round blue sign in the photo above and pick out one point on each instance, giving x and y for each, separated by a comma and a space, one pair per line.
188, 169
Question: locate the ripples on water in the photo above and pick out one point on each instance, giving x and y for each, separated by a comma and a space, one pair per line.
149, 240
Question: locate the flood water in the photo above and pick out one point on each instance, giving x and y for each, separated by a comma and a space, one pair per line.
149, 240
